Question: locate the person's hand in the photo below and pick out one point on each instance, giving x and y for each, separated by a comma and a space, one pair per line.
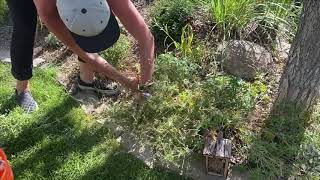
143, 93
142, 96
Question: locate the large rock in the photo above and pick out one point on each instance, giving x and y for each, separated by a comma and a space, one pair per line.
245, 59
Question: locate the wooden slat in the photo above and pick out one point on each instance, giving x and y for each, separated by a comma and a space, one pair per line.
226, 168
219, 152
220, 149
209, 147
227, 148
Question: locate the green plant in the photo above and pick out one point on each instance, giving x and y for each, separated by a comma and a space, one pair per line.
184, 46
233, 93
309, 159
231, 16
187, 47
118, 52
285, 146
176, 70
52, 41
281, 16
182, 106
3, 11
170, 14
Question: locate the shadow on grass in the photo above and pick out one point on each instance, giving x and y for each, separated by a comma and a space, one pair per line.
51, 123
50, 139
273, 153
123, 166
55, 146
8, 105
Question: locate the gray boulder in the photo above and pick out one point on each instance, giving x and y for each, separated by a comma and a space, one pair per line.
245, 59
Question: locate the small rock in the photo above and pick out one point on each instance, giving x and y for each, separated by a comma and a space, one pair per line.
118, 131
38, 61
37, 51
245, 59
4, 55
6, 60
282, 48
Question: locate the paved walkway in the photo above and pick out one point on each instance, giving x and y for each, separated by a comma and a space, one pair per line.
5, 43
5, 36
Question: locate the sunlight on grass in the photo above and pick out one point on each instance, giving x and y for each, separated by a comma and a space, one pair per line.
59, 141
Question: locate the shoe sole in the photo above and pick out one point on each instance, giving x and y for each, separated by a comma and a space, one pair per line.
104, 92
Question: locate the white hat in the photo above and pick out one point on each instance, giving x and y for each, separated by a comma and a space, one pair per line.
91, 22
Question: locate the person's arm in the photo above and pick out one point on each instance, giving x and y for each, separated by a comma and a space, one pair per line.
132, 20
48, 14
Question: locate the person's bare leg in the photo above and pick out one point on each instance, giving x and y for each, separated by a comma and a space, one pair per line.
86, 72
22, 86
136, 26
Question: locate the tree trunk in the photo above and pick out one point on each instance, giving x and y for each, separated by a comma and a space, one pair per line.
300, 82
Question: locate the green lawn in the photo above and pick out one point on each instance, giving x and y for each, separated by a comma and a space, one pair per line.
60, 141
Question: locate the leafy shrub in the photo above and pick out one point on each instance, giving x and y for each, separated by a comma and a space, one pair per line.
118, 52
52, 41
309, 158
233, 92
3, 11
172, 120
173, 69
232, 98
172, 14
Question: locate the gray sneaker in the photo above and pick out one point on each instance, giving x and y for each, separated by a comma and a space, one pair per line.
26, 101
105, 87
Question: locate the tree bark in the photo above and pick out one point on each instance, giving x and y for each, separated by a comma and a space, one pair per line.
300, 82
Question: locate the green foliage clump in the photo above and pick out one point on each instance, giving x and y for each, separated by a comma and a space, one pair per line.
309, 158
181, 107
284, 147
173, 69
231, 16
118, 52
233, 93
186, 47
52, 41
281, 16
234, 17
3, 11
172, 14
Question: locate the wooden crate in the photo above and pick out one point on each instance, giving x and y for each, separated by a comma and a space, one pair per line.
218, 156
